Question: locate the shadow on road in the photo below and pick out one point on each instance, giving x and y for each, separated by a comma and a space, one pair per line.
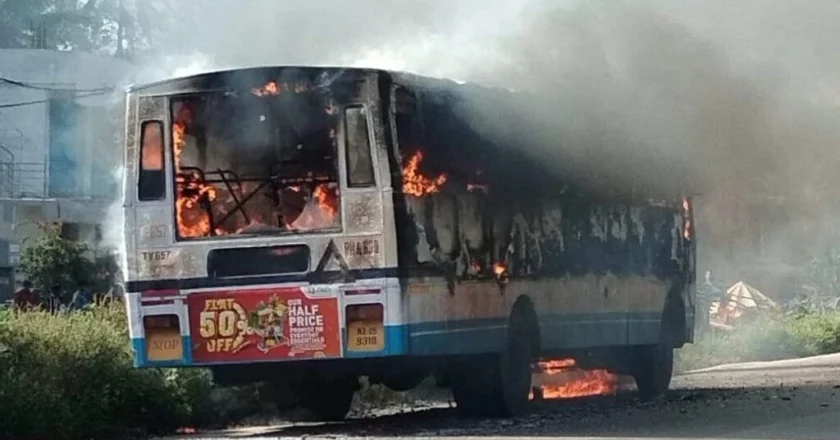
590, 416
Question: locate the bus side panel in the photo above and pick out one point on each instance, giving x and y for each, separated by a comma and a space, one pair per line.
598, 275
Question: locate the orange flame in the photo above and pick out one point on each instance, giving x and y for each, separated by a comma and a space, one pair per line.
193, 220
415, 183
273, 88
326, 204
325, 213
269, 89
499, 269
579, 382
193, 197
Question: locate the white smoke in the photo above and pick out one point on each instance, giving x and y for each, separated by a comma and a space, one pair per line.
737, 100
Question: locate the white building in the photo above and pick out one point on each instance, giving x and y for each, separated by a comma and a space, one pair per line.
58, 144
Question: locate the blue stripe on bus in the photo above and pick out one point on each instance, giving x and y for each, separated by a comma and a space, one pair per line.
475, 336
138, 345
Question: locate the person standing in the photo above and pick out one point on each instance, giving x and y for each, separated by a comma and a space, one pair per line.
81, 297
25, 297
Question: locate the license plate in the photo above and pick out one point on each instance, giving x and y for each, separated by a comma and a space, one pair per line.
365, 336
164, 344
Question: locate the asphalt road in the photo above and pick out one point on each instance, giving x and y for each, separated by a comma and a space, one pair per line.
794, 399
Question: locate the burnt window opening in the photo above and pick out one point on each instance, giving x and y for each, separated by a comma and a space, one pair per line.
420, 167
410, 135
256, 163
152, 180
359, 160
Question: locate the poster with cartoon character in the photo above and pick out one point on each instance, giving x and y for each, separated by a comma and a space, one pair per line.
260, 324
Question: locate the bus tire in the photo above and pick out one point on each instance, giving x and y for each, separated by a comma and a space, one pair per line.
499, 385
654, 366
328, 401
653, 370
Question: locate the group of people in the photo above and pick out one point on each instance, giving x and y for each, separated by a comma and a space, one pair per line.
55, 299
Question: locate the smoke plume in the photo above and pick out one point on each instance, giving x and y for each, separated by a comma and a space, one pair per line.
735, 102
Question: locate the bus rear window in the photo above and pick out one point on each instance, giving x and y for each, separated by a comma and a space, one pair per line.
151, 182
359, 162
258, 163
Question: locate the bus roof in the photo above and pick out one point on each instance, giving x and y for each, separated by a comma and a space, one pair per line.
498, 99
220, 78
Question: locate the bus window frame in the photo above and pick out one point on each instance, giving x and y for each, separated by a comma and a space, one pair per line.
160, 174
418, 123
371, 156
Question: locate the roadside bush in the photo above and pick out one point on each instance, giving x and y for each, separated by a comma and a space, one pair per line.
804, 333
71, 376
818, 332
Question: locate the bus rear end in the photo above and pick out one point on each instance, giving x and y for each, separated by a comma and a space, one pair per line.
254, 220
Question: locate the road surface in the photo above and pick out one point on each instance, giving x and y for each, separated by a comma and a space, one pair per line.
793, 399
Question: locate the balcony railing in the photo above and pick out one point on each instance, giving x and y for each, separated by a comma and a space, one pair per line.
19, 180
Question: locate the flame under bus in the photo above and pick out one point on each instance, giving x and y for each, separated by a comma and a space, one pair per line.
342, 222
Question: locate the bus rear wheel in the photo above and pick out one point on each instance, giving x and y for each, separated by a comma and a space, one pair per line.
329, 400
498, 385
654, 364
653, 370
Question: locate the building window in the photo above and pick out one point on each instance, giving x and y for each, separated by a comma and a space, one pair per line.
63, 139
8, 212
70, 231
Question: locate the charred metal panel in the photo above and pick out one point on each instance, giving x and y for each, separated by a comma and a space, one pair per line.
549, 237
499, 210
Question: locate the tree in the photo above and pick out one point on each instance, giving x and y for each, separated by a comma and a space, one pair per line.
52, 260
120, 28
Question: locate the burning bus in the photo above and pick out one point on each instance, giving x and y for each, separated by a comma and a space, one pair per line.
304, 227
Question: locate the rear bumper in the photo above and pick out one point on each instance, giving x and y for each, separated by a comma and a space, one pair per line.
138, 346
396, 344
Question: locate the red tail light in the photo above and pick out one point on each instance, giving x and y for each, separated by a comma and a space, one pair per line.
160, 321
158, 297
159, 293
365, 312
362, 291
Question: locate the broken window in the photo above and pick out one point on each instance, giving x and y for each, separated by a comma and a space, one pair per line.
151, 182
260, 163
409, 126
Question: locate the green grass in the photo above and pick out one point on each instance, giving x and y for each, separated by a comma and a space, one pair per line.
71, 376
799, 334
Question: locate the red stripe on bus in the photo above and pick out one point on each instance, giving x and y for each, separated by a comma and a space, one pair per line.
157, 302
159, 293
363, 291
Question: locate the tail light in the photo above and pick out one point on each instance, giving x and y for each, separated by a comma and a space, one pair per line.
160, 322
365, 312
374, 291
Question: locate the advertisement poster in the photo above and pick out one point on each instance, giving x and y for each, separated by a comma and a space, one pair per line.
262, 324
